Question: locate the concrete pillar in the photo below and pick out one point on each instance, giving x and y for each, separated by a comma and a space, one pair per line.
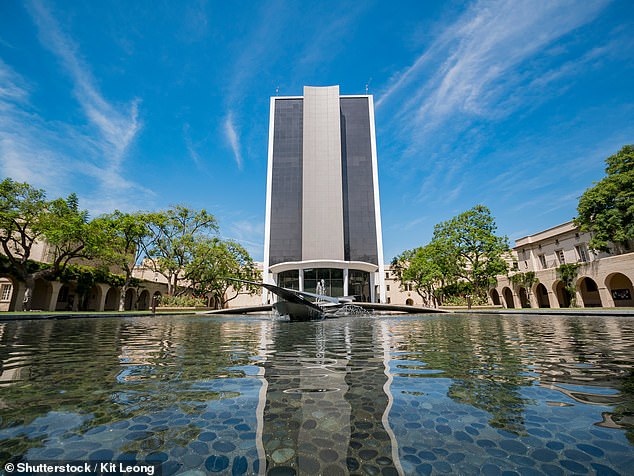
554, 301
532, 298
104, 288
345, 281
517, 302
55, 287
606, 297
579, 298
17, 298
322, 191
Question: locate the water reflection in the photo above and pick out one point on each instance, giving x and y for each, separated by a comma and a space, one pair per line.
326, 401
358, 395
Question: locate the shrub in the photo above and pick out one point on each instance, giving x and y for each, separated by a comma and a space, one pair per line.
182, 301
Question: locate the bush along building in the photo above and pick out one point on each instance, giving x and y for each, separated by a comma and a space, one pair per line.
83, 286
557, 268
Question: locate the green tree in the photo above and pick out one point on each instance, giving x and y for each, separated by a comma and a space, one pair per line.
468, 241
607, 209
427, 269
21, 210
214, 263
174, 235
525, 280
123, 240
27, 217
567, 273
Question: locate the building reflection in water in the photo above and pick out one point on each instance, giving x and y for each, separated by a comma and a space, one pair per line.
397, 396
326, 406
358, 395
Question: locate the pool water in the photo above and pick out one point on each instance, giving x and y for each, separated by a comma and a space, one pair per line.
492, 394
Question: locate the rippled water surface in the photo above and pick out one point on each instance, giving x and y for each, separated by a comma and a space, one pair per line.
386, 395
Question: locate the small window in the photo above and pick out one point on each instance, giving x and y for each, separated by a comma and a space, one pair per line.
387, 275
387, 287
542, 261
581, 253
5, 292
389, 300
515, 266
560, 256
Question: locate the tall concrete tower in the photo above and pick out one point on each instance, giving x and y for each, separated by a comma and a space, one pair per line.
323, 218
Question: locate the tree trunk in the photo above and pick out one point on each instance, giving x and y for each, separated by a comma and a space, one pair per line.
28, 294
124, 290
29, 280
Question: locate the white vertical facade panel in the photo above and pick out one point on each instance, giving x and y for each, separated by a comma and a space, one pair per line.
322, 214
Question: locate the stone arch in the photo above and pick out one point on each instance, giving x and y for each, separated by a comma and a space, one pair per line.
130, 299
93, 299
409, 302
66, 298
495, 297
620, 289
143, 303
508, 298
523, 295
589, 292
42, 294
541, 294
562, 294
112, 300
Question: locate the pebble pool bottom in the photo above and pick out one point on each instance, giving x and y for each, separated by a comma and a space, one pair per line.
382, 395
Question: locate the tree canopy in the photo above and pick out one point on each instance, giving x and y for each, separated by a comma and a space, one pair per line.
175, 234
426, 269
607, 209
180, 243
21, 214
464, 249
124, 237
214, 267
469, 242
26, 216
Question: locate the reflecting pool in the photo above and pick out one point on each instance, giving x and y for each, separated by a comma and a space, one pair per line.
498, 394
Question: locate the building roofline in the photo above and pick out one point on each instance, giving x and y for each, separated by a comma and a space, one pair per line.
340, 96
543, 234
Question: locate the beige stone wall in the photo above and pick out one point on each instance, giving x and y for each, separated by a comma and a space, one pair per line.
612, 276
397, 295
6, 292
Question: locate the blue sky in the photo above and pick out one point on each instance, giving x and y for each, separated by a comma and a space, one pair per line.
144, 104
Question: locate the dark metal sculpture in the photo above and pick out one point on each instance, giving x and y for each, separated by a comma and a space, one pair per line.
297, 305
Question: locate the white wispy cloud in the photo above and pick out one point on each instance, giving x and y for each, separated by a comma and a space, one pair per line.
28, 144
117, 126
249, 233
488, 64
232, 137
193, 154
55, 155
13, 88
479, 58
